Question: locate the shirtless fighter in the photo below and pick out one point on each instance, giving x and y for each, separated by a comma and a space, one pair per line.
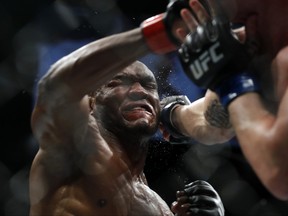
95, 112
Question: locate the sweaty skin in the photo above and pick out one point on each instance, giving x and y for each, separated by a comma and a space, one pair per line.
262, 126
84, 169
92, 150
260, 122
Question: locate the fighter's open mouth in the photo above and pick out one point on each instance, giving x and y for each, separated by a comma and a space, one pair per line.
139, 107
135, 111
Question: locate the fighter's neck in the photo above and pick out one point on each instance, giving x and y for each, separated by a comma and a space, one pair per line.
132, 151
134, 155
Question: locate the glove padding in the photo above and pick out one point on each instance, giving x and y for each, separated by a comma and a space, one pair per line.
212, 52
203, 199
167, 105
172, 14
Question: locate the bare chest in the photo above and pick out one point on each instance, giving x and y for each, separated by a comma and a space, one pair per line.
119, 198
146, 202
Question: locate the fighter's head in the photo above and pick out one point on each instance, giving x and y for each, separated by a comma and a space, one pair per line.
129, 103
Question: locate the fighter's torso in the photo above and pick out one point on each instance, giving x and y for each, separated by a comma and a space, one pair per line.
120, 197
99, 183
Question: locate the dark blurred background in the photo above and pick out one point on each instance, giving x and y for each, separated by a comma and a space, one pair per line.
35, 34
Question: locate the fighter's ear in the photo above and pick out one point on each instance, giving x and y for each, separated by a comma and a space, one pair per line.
92, 100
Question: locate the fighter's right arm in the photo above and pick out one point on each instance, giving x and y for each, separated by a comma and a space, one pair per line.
62, 91
87, 68
204, 120
61, 118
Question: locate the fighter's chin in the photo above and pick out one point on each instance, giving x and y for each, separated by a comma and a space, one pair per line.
141, 127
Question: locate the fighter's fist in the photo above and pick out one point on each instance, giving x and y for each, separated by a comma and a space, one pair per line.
169, 132
198, 198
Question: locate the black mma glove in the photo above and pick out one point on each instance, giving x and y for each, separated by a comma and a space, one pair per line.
204, 199
157, 30
213, 58
168, 104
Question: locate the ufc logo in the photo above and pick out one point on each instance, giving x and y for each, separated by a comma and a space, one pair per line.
200, 65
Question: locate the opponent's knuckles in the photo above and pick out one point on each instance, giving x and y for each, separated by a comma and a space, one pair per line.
157, 30
199, 190
212, 52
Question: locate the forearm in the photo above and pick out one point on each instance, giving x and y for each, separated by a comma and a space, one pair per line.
263, 139
191, 121
92, 65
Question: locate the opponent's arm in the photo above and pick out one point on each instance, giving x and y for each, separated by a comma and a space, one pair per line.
262, 135
204, 120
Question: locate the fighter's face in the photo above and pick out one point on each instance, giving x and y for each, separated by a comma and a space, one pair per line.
130, 101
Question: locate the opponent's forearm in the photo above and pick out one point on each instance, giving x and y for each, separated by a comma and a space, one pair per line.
191, 121
263, 139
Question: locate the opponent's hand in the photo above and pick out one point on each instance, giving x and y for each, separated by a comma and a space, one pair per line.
198, 198
211, 51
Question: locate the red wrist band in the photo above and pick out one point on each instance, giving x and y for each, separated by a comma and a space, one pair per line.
155, 34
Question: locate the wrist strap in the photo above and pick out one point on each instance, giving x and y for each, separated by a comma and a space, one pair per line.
156, 36
235, 86
166, 112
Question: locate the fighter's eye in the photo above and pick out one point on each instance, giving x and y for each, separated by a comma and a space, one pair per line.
151, 85
114, 83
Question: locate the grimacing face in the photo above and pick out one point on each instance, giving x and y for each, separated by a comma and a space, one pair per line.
129, 102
